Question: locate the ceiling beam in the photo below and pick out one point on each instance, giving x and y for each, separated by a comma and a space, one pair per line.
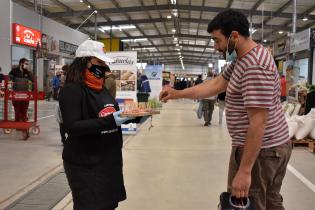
305, 13
158, 20
257, 4
172, 45
229, 4
62, 5
211, 54
47, 13
188, 36
279, 11
177, 61
175, 56
114, 2
168, 7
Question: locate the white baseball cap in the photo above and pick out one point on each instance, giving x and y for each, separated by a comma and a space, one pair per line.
90, 48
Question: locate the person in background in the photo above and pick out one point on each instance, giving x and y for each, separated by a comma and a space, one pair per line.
208, 104
144, 88
49, 86
199, 80
261, 147
283, 84
221, 103
92, 155
166, 83
110, 81
65, 69
21, 76
56, 85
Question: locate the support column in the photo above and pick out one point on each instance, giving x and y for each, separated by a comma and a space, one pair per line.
95, 26
294, 17
5, 35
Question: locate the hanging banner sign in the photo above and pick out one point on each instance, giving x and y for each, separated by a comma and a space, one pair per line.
26, 36
124, 68
154, 74
282, 46
300, 41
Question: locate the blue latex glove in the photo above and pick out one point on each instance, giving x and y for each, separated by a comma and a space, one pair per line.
120, 120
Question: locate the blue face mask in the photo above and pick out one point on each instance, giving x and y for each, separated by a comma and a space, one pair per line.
230, 57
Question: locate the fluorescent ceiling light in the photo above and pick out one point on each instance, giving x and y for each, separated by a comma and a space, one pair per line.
173, 1
134, 40
141, 40
122, 27
173, 30
95, 11
149, 48
305, 19
175, 39
175, 12
81, 1
183, 67
265, 40
169, 17
177, 45
210, 65
177, 49
280, 32
127, 40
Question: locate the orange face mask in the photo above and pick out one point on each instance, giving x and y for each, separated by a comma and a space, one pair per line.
92, 82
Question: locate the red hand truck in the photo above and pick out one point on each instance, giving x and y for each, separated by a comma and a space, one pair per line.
10, 95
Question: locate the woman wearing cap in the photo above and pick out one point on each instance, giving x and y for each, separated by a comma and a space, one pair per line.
91, 118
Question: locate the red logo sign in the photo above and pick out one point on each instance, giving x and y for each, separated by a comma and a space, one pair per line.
26, 36
106, 111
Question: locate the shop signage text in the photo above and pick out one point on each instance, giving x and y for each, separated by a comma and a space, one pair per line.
26, 36
68, 48
122, 60
300, 41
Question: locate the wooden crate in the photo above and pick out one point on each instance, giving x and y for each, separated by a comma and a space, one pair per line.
305, 143
311, 147
302, 142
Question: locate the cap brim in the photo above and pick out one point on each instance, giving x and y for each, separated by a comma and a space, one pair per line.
104, 58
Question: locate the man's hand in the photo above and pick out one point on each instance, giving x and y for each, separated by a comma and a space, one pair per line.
241, 184
168, 93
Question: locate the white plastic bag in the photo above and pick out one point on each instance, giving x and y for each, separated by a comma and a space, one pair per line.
305, 128
294, 123
199, 111
312, 133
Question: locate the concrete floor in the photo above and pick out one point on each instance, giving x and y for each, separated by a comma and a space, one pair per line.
177, 165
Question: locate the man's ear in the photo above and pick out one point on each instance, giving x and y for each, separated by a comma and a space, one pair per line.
235, 35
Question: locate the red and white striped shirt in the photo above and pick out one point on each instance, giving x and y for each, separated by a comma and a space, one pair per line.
254, 82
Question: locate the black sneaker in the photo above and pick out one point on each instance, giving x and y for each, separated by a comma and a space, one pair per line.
207, 124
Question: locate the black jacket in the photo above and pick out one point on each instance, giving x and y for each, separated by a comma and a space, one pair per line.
17, 73
20, 78
93, 144
221, 96
93, 136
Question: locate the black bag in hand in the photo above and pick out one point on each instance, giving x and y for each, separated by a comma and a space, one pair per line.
227, 202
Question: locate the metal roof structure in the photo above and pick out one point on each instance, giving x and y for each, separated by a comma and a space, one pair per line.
163, 30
